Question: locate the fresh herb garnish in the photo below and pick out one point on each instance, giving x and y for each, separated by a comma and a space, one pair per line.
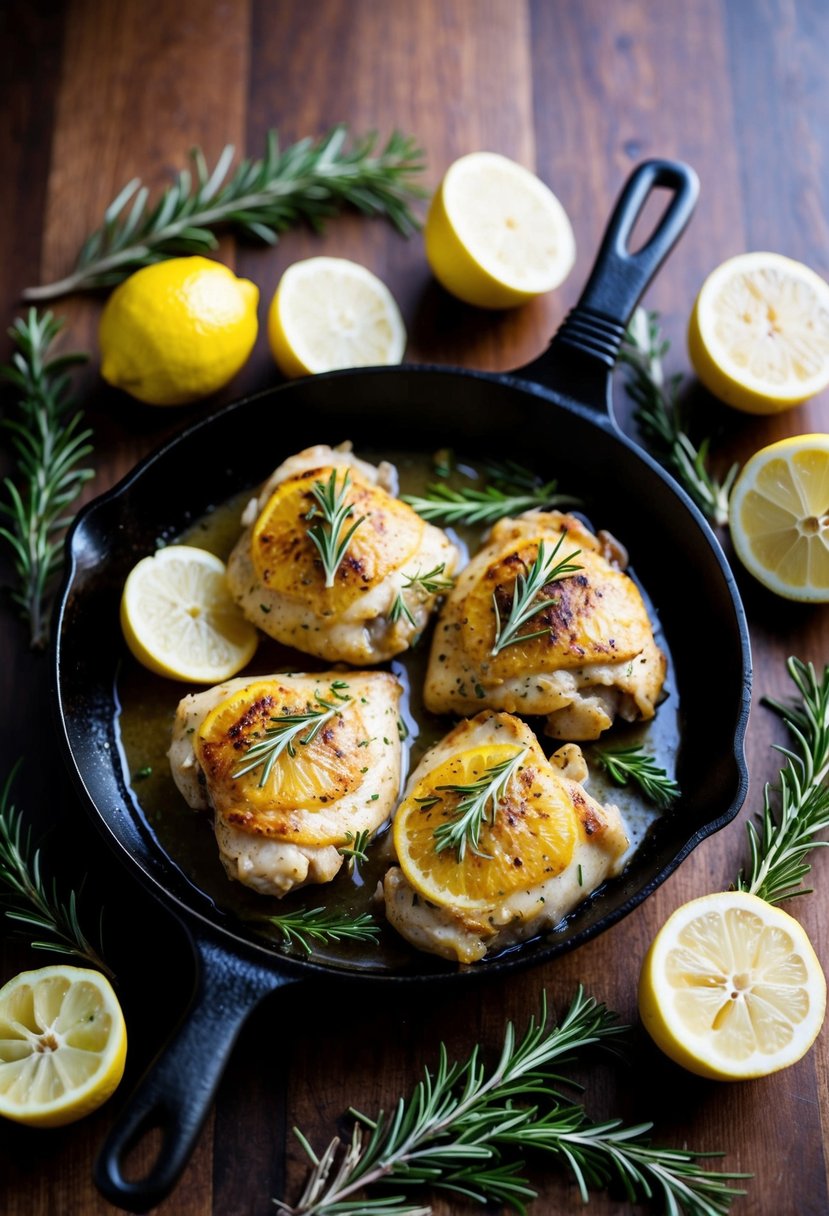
430, 583
306, 926
478, 805
284, 733
355, 847
25, 896
625, 764
787, 834
331, 507
446, 505
309, 180
544, 570
50, 444
660, 418
459, 1127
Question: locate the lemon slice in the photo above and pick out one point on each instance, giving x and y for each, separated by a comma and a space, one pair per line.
779, 517
731, 988
495, 235
759, 333
329, 313
63, 1043
179, 619
531, 838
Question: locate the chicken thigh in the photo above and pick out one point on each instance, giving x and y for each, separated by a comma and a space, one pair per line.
543, 843
584, 652
293, 767
373, 605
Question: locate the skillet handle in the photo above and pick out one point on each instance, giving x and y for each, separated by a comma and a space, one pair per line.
175, 1094
581, 356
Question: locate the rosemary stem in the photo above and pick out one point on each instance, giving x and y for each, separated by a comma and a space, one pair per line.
212, 215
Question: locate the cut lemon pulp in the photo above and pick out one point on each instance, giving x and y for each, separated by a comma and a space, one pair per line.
495, 235
299, 800
63, 1043
287, 560
329, 313
759, 333
779, 517
530, 837
179, 619
731, 988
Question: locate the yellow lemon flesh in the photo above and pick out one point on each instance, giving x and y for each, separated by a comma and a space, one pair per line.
531, 823
177, 331
179, 619
779, 517
759, 333
63, 1044
495, 235
329, 313
731, 988
287, 561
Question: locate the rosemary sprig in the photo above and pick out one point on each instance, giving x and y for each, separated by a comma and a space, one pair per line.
485, 506
660, 417
544, 570
452, 1133
26, 897
787, 834
625, 764
49, 443
354, 849
307, 181
478, 805
430, 583
284, 734
306, 926
331, 507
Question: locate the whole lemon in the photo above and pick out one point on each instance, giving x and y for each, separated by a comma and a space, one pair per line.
178, 330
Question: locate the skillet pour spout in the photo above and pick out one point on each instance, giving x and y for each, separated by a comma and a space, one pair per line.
562, 401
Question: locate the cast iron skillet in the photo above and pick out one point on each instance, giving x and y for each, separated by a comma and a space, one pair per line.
555, 415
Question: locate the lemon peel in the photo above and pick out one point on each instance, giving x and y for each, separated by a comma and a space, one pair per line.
178, 331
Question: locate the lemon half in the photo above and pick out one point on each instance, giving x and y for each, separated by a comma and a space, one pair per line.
496, 236
779, 517
63, 1044
329, 313
177, 331
731, 988
179, 619
759, 333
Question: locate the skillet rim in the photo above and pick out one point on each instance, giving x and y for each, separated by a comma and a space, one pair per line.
537, 950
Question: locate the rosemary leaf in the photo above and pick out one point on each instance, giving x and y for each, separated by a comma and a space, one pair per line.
284, 731
305, 926
355, 847
787, 832
454, 1131
478, 805
307, 181
331, 508
423, 585
659, 417
525, 604
50, 445
625, 764
445, 505
27, 899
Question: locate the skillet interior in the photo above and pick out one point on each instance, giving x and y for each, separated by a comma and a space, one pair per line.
671, 550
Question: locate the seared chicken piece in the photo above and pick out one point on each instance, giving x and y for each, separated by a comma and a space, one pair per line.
293, 766
371, 612
593, 656
543, 846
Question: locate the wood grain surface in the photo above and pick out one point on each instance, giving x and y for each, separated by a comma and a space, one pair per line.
95, 92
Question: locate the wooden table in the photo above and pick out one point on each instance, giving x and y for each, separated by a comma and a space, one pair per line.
98, 92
